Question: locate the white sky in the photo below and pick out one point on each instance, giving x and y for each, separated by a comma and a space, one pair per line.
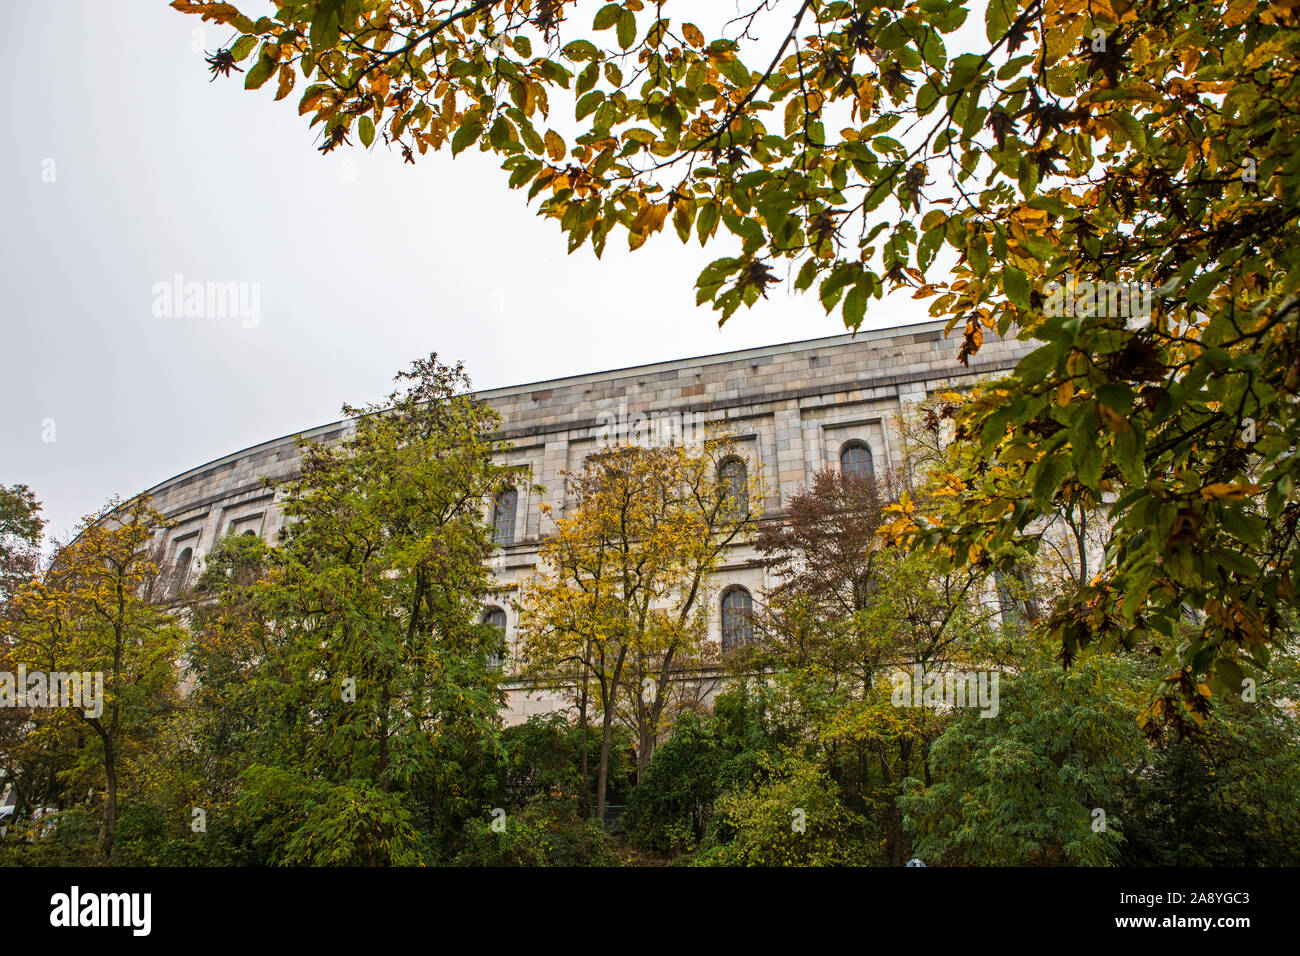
159, 172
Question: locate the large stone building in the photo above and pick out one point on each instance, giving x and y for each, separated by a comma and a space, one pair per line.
793, 409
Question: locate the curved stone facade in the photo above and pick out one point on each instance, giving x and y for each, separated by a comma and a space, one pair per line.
793, 409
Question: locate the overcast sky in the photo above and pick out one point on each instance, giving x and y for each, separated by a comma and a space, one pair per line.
123, 167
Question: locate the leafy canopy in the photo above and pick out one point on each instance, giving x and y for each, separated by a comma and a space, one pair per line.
1079, 142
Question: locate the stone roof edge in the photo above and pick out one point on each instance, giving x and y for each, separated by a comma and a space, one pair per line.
715, 358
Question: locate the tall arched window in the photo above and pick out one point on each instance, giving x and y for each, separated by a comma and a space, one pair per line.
181, 569
735, 488
503, 517
496, 618
855, 461
1015, 597
737, 618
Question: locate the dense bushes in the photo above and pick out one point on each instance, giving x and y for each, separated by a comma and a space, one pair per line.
1064, 775
791, 816
543, 757
539, 802
731, 789
544, 832
670, 810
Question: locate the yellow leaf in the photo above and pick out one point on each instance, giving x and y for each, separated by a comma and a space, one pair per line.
554, 145
1233, 492
1238, 11
1112, 419
309, 101
286, 81
650, 218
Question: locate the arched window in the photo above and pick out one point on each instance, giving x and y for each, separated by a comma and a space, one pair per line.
250, 534
496, 618
735, 488
181, 569
855, 461
503, 517
737, 618
1015, 597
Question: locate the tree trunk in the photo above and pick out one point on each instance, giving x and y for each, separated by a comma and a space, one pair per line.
606, 738
110, 800
582, 724
608, 701
644, 749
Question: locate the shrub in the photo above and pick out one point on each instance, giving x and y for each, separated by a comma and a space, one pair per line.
669, 810
791, 816
545, 832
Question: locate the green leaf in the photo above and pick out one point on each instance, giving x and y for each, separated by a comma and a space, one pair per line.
831, 287
706, 221
588, 104
626, 29
580, 50
606, 16
806, 275
243, 46
978, 252
260, 73
928, 247
325, 25
466, 135
926, 97
1128, 458
366, 127
735, 71
998, 15
587, 79
1016, 286
1136, 134
499, 134
1040, 249
1050, 204
855, 306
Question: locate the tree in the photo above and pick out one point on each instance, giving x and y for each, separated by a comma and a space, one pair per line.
371, 708
235, 657
670, 808
1113, 176
791, 815
90, 614
543, 757
619, 602
21, 528
844, 613
843, 600
1064, 775
1024, 788
1228, 795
